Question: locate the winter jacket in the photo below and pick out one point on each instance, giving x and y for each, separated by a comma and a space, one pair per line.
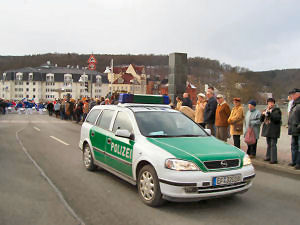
294, 119
210, 111
187, 102
199, 112
236, 118
271, 123
253, 120
222, 114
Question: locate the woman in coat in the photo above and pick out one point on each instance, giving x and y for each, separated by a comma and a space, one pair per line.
252, 119
179, 103
236, 121
271, 118
199, 112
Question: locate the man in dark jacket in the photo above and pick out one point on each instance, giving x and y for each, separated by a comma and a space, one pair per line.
271, 118
294, 128
210, 112
187, 101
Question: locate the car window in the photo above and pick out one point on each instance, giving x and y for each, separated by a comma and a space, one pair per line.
167, 124
105, 119
93, 116
122, 122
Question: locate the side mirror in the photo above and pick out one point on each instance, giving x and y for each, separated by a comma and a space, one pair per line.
124, 134
208, 131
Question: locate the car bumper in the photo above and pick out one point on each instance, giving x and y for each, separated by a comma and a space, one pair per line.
196, 185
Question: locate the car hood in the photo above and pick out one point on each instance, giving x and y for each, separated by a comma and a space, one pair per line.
198, 149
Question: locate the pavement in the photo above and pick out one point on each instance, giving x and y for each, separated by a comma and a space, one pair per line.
283, 152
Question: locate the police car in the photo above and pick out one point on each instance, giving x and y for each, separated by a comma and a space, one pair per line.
162, 151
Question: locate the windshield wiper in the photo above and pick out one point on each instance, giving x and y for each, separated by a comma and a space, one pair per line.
159, 136
189, 135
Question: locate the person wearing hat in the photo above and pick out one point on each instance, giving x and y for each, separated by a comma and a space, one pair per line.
199, 111
271, 119
294, 128
236, 121
252, 119
222, 114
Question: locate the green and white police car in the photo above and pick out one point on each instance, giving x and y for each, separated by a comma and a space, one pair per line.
162, 151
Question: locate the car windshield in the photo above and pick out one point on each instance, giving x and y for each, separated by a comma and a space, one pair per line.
167, 124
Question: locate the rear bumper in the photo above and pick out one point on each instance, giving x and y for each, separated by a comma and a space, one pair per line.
202, 187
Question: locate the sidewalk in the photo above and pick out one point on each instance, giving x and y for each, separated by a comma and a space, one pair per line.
283, 151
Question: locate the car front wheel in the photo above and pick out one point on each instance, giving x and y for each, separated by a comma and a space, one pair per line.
148, 187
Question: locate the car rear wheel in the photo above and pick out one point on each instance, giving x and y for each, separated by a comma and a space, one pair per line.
88, 160
148, 187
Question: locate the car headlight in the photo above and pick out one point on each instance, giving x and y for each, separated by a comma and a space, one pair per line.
246, 160
180, 165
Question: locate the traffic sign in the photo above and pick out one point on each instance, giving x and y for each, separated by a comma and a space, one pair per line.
92, 59
92, 66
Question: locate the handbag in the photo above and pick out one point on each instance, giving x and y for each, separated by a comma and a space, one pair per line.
250, 138
238, 127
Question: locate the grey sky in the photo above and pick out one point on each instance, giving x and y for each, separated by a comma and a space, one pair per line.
257, 34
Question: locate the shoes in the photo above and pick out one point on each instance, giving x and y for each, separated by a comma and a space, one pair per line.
266, 159
297, 167
274, 162
291, 164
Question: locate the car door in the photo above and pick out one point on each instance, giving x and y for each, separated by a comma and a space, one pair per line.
88, 124
119, 150
99, 133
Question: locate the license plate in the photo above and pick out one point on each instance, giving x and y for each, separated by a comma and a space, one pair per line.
227, 180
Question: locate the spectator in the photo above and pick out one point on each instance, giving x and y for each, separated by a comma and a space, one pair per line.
199, 112
40, 107
85, 109
294, 128
179, 103
187, 101
221, 121
252, 120
271, 119
290, 104
102, 101
78, 110
210, 112
236, 121
50, 108
57, 108
62, 109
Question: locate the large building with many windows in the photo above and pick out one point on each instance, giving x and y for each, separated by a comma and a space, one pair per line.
49, 82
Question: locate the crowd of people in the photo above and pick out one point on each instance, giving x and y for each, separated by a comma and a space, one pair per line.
211, 112
214, 113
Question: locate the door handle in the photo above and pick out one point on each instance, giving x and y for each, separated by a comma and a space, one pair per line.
92, 134
109, 141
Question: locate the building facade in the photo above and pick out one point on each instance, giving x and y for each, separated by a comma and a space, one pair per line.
50, 82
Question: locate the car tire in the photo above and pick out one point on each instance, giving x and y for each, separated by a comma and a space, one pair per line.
148, 187
87, 157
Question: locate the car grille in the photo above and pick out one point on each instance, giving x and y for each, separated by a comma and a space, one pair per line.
220, 164
213, 189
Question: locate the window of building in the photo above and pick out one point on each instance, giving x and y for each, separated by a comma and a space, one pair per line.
19, 76
30, 76
27, 83
27, 89
33, 89
50, 77
33, 96
33, 83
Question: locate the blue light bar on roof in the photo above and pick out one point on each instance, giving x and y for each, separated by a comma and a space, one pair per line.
143, 99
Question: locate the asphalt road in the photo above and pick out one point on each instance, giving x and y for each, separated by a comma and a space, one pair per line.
43, 181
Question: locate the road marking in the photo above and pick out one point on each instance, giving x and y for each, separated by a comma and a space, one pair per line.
36, 128
57, 139
56, 190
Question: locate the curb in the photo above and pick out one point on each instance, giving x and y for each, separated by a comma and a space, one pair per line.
277, 167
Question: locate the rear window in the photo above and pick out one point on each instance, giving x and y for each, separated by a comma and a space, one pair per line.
92, 116
105, 120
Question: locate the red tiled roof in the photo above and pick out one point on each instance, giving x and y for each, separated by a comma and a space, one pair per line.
120, 69
138, 69
126, 77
